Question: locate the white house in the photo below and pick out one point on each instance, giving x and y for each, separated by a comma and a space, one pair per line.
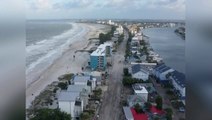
67, 100
84, 91
178, 81
81, 79
139, 72
98, 76
163, 73
140, 90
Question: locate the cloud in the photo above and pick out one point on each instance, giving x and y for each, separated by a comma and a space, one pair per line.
106, 7
72, 4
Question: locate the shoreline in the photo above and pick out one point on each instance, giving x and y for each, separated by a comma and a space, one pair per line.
65, 63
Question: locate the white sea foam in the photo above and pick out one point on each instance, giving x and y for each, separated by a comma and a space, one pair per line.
51, 49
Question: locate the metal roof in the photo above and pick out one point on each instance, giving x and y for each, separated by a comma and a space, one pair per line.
179, 78
159, 66
68, 96
82, 78
137, 68
77, 88
164, 69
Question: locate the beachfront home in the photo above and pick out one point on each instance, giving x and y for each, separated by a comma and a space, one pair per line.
139, 72
141, 91
68, 101
81, 79
135, 99
161, 71
162, 74
178, 81
98, 76
156, 68
128, 113
84, 91
98, 57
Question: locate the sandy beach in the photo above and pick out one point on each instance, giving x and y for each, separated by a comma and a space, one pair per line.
66, 63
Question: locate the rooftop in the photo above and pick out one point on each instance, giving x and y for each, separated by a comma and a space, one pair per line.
139, 88
164, 69
137, 67
82, 78
100, 51
77, 88
138, 116
68, 96
128, 113
159, 66
179, 78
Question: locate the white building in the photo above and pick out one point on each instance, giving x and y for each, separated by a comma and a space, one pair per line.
164, 72
178, 81
139, 72
81, 79
98, 76
140, 90
67, 103
84, 91
120, 30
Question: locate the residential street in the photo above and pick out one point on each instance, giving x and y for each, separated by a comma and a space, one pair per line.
111, 109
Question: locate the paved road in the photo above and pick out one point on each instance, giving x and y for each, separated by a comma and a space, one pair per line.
110, 109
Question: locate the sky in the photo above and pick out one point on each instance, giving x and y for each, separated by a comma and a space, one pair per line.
105, 9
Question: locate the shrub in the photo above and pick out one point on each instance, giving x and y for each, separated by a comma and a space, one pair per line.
63, 85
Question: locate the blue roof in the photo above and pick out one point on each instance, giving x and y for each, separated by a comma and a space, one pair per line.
179, 78
164, 69
136, 68
159, 66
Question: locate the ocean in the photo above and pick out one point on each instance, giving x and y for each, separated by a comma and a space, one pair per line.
46, 41
168, 45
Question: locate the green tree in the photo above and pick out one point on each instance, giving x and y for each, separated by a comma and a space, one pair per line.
159, 102
138, 108
84, 116
148, 106
126, 72
169, 113
63, 85
127, 81
50, 114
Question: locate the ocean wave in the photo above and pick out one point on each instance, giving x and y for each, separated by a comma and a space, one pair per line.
51, 49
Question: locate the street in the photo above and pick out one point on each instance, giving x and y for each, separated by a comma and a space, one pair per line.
111, 109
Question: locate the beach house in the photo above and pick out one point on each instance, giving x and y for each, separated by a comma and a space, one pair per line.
160, 72
178, 82
71, 103
84, 91
81, 79
140, 91
98, 76
139, 72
